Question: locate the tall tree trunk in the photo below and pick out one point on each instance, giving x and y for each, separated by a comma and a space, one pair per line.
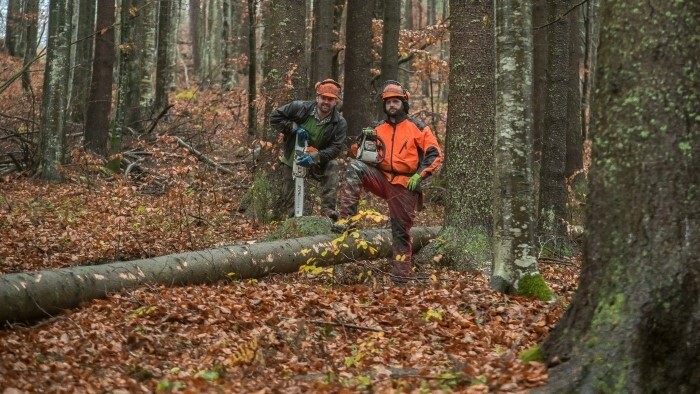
83, 60
163, 58
284, 72
592, 22
146, 45
468, 170
231, 20
514, 263
633, 323
12, 26
574, 135
539, 20
53, 105
340, 19
252, 70
553, 193
31, 15
195, 13
212, 42
33, 295
389, 66
127, 108
100, 103
357, 107
407, 18
390, 40
323, 40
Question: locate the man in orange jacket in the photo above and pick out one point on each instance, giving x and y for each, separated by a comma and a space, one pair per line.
411, 153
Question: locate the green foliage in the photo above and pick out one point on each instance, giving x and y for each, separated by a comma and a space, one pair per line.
167, 385
187, 95
260, 198
208, 375
462, 249
532, 354
534, 286
305, 226
433, 314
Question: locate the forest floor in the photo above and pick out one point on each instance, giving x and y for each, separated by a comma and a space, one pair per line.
293, 333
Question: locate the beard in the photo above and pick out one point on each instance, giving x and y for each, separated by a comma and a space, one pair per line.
395, 112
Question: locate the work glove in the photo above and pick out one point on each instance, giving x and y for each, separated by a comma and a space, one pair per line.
306, 161
368, 131
414, 182
303, 134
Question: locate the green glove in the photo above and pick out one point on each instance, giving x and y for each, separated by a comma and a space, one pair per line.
413, 182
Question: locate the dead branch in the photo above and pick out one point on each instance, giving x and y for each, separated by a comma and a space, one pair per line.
345, 325
201, 156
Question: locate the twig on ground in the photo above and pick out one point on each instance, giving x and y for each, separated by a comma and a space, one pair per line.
345, 325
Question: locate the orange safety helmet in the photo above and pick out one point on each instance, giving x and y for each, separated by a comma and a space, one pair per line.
394, 89
329, 88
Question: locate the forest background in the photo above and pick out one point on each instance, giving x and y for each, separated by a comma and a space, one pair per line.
152, 117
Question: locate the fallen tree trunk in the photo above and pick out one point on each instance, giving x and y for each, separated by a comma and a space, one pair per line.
31, 295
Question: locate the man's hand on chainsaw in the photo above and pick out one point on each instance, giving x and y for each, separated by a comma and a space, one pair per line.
303, 134
306, 160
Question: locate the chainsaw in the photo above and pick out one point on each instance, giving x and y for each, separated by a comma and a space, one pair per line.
299, 173
370, 149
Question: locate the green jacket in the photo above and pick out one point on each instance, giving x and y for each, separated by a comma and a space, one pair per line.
297, 112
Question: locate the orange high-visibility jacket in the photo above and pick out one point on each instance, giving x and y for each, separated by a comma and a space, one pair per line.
411, 148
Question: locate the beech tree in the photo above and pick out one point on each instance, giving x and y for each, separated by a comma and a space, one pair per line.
322, 42
100, 103
633, 323
468, 169
31, 15
166, 45
390, 40
553, 193
284, 74
514, 263
357, 107
82, 62
52, 133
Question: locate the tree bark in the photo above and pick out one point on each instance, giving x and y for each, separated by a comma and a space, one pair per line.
100, 103
53, 105
553, 193
32, 295
574, 130
252, 70
633, 324
468, 170
514, 263
539, 19
31, 14
12, 27
357, 107
164, 65
146, 47
390, 40
82, 68
322, 52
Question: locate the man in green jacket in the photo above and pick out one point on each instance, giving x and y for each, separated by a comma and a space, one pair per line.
320, 124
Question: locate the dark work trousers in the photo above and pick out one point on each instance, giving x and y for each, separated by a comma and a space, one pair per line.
402, 210
327, 176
